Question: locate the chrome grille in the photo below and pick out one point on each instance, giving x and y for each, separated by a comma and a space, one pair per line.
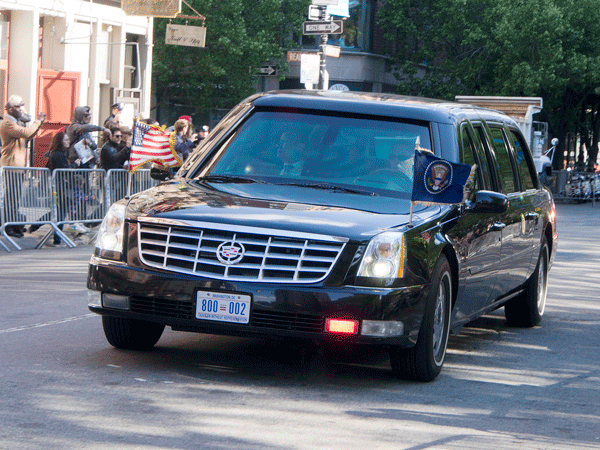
269, 255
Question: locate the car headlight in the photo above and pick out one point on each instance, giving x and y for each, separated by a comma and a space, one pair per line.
384, 257
110, 236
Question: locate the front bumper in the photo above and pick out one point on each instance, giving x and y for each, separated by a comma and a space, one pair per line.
276, 310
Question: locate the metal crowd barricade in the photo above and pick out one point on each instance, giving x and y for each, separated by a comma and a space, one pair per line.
119, 183
31, 196
140, 181
116, 185
79, 195
27, 199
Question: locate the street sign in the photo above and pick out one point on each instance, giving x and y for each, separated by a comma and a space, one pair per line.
296, 56
156, 8
185, 35
314, 12
309, 68
323, 27
324, 2
339, 87
333, 51
267, 71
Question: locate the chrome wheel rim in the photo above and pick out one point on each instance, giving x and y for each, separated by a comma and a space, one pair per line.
542, 285
440, 319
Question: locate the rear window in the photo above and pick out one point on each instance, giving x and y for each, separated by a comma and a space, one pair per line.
357, 151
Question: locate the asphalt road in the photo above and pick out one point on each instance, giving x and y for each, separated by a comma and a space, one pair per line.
63, 386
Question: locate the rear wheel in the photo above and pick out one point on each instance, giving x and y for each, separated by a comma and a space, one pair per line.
527, 309
131, 334
424, 361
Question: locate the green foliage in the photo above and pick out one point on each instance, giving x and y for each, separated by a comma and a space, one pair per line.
547, 48
241, 36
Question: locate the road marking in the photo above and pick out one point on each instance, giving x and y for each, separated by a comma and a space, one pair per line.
46, 324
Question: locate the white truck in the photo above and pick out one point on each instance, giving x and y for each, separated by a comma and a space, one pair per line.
522, 109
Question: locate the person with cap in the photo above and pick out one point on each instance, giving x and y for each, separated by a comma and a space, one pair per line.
15, 130
80, 134
202, 134
114, 119
14, 133
184, 143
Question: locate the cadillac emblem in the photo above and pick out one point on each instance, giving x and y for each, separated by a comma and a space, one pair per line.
230, 252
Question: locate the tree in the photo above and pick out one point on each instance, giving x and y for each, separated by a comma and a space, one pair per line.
241, 36
547, 48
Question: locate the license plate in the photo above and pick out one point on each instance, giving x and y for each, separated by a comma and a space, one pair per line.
223, 307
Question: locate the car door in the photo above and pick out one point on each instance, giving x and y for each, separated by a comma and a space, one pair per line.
532, 196
477, 239
516, 249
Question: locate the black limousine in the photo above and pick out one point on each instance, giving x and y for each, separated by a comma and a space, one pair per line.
293, 218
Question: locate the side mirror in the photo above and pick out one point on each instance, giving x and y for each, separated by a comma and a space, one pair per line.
554, 142
489, 202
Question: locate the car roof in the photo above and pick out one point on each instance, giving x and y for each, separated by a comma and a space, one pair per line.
390, 105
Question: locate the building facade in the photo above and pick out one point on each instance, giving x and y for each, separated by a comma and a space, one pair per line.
59, 54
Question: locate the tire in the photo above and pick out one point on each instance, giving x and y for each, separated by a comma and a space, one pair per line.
424, 361
131, 334
526, 310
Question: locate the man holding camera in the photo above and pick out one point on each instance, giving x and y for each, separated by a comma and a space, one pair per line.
15, 130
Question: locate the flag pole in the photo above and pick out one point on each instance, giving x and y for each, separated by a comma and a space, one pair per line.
410, 225
129, 182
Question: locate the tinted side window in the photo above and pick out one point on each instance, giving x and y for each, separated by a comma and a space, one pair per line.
482, 161
523, 162
468, 157
484, 154
505, 169
472, 155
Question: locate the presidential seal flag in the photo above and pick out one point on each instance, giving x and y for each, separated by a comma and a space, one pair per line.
437, 180
151, 144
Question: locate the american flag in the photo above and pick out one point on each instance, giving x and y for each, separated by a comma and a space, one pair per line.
151, 144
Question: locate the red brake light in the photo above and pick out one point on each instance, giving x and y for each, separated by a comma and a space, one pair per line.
341, 326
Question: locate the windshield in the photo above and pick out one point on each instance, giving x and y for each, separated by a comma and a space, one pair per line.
311, 150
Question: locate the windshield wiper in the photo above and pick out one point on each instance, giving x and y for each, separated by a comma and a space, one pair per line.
332, 188
228, 179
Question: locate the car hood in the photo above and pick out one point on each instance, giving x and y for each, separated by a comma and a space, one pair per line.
300, 209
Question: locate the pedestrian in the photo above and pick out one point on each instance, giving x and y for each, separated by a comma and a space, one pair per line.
202, 134
114, 153
57, 159
115, 116
188, 119
183, 138
57, 155
15, 131
83, 145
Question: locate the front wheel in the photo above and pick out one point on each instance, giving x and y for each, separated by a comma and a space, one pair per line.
424, 361
131, 334
527, 309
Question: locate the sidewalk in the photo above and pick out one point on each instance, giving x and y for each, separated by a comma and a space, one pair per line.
30, 240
